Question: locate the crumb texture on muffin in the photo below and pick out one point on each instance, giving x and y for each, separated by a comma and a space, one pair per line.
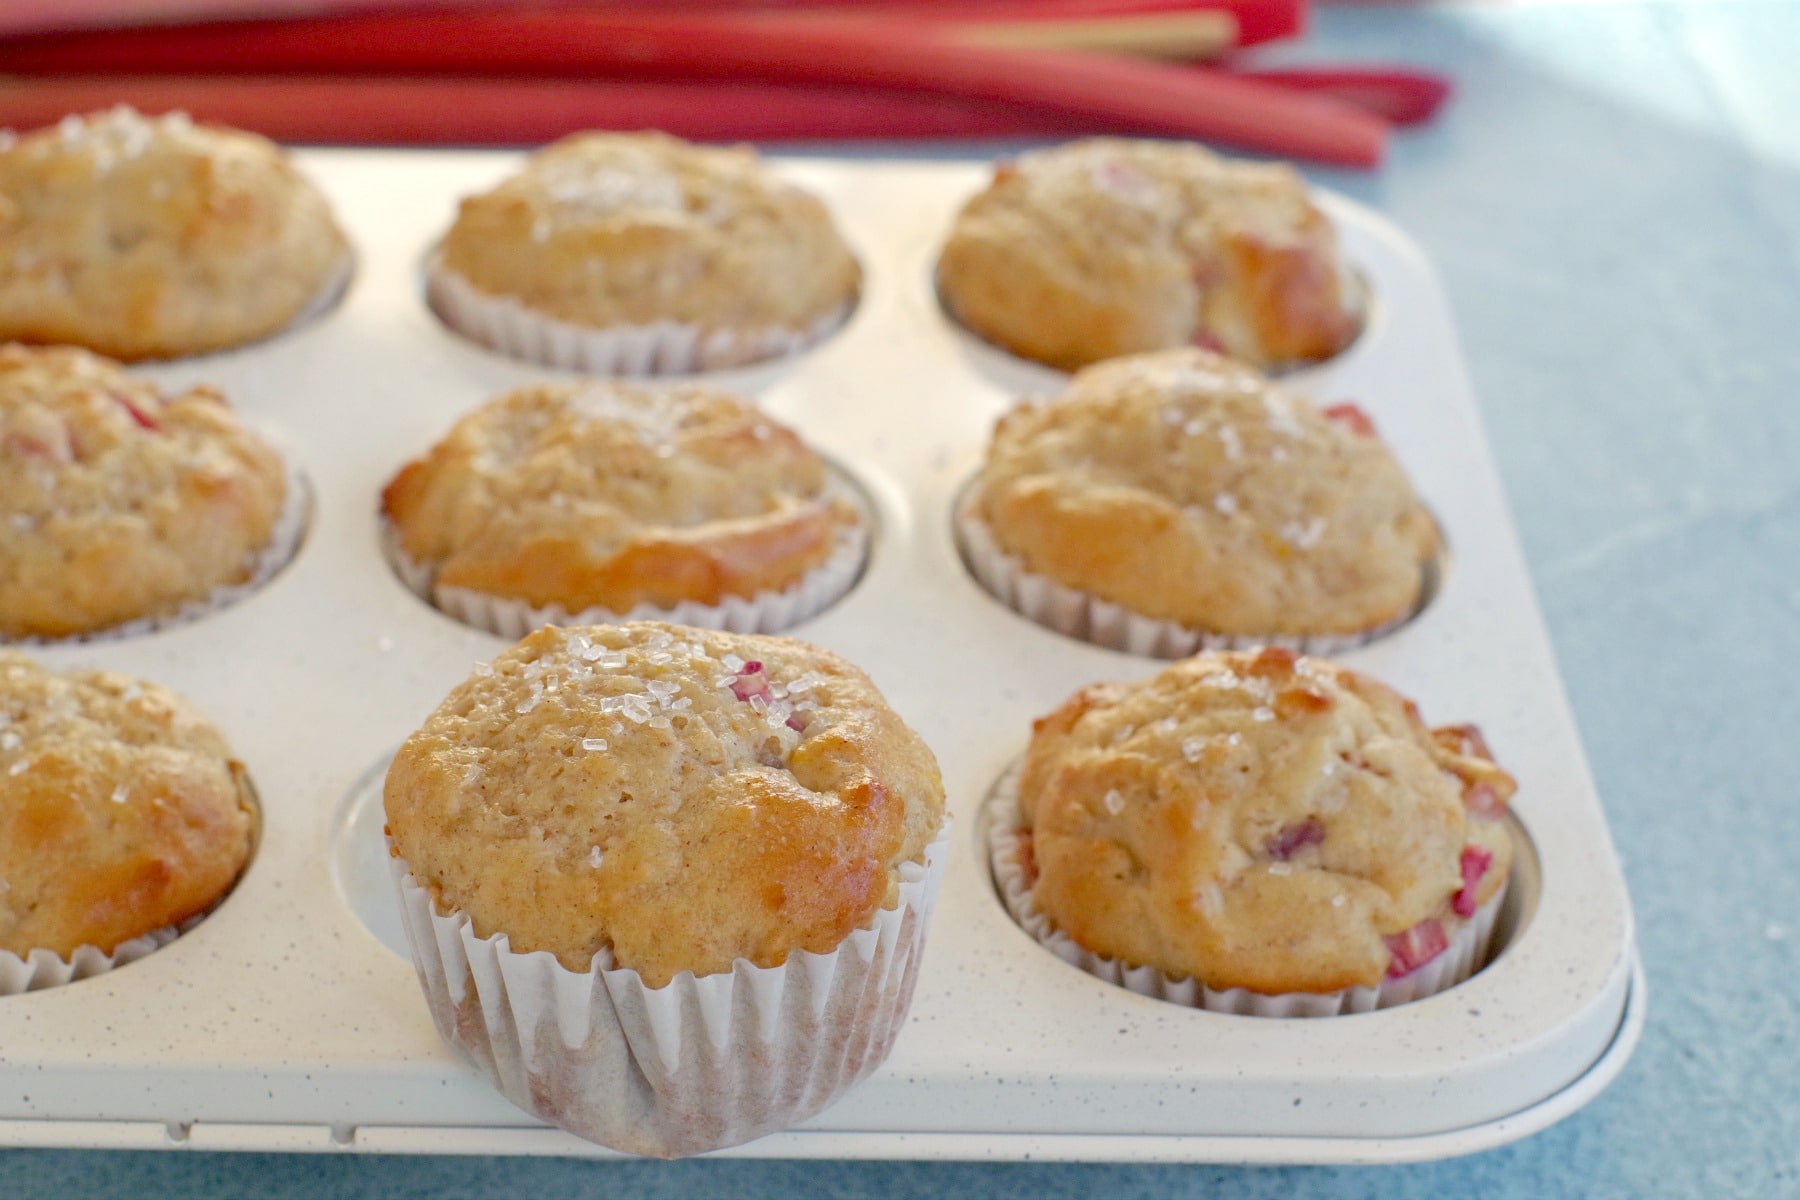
1187, 488
1106, 246
121, 502
604, 229
1257, 820
607, 495
682, 797
121, 809
154, 238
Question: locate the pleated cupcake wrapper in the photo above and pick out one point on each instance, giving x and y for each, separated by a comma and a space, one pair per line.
657, 348
697, 1065
1468, 950
1078, 614
284, 543
47, 969
765, 612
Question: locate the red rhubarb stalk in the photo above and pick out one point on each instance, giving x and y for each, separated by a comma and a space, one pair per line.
447, 110
1190, 101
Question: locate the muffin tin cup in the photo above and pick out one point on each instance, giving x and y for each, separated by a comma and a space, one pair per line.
284, 542
765, 612
1087, 617
1469, 948
47, 969
661, 348
698, 1064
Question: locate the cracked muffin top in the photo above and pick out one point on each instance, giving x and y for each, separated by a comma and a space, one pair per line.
1258, 820
603, 494
117, 501
682, 797
1188, 488
608, 229
1107, 246
122, 810
154, 238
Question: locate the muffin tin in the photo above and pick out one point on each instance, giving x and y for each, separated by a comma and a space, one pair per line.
290, 1019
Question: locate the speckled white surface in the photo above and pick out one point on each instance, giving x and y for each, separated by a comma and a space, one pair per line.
283, 1021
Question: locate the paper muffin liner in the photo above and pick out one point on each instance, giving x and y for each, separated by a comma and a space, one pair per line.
46, 969
284, 542
1087, 617
1467, 953
764, 612
658, 348
699, 1064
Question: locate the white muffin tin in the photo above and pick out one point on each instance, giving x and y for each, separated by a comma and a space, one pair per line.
291, 1020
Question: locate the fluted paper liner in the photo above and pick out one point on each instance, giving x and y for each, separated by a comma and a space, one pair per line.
764, 612
47, 969
284, 542
699, 1064
1079, 614
1467, 953
657, 348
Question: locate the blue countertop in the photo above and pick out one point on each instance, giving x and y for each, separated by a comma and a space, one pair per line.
1614, 204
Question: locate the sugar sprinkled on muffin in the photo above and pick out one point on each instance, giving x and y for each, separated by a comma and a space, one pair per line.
1261, 821
721, 839
123, 502
602, 497
1186, 489
122, 810
155, 237
1105, 246
638, 254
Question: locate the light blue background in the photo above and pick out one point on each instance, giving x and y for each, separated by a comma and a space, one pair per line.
1614, 203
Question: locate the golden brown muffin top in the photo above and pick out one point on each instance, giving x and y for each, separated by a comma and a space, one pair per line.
604, 229
1188, 488
1109, 246
1258, 820
150, 238
681, 796
117, 501
602, 493
121, 809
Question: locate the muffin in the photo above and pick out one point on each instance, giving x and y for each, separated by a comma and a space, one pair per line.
1175, 500
154, 238
122, 816
582, 503
641, 254
1257, 832
122, 504
621, 843
1106, 247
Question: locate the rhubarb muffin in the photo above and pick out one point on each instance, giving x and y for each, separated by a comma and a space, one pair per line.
698, 838
122, 815
641, 254
1258, 824
597, 501
1169, 501
156, 237
121, 503
1106, 247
